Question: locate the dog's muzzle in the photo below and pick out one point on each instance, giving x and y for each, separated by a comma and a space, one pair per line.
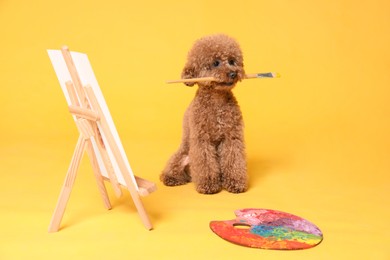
232, 75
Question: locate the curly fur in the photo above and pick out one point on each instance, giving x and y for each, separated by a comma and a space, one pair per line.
212, 152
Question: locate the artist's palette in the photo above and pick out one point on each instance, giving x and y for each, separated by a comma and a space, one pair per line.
268, 229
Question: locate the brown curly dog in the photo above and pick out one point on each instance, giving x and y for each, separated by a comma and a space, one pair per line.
212, 152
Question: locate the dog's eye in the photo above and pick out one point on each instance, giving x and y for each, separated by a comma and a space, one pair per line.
216, 63
232, 62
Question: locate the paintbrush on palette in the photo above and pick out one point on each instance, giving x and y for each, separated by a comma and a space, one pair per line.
247, 76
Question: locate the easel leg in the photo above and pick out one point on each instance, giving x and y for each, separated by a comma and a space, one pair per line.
67, 187
98, 176
140, 208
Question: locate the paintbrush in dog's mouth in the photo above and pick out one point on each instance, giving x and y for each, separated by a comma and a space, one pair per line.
229, 84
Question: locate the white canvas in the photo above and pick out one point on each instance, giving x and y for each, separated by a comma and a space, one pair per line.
87, 77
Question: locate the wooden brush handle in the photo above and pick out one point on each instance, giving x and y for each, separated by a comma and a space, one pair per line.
191, 80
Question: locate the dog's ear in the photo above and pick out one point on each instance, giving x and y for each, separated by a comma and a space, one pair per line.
188, 73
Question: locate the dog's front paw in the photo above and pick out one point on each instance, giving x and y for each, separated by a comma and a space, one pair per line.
209, 188
235, 186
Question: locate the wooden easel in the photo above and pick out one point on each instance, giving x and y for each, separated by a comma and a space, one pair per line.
91, 123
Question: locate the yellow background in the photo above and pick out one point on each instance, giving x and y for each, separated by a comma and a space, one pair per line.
317, 139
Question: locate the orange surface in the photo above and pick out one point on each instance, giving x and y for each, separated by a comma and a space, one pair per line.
317, 139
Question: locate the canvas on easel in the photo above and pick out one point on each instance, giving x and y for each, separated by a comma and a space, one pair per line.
98, 136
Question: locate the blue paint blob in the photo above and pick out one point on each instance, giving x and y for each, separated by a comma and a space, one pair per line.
280, 233
272, 231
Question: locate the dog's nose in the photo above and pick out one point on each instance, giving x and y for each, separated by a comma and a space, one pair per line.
232, 75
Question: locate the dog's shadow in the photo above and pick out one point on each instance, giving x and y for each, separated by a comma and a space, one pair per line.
259, 168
